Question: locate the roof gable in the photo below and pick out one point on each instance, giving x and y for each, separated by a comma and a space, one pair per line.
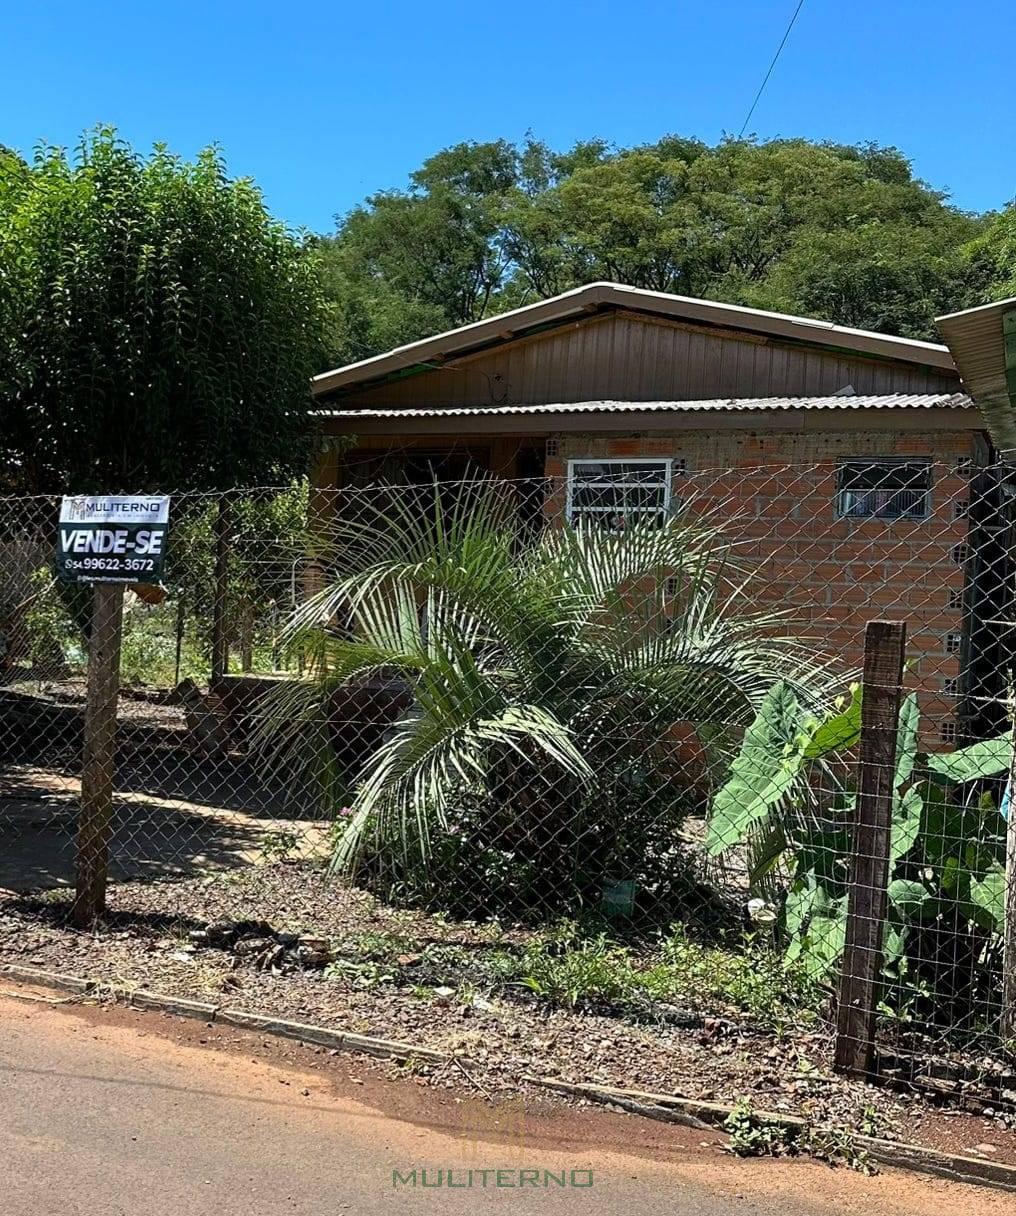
621, 355
598, 299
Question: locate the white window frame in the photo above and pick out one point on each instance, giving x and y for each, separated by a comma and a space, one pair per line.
886, 462
668, 488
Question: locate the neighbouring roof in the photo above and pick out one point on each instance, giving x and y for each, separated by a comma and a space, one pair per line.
978, 339
719, 405
594, 297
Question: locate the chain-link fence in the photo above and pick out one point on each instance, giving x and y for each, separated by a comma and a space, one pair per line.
617, 715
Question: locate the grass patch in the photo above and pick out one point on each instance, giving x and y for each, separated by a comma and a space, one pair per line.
570, 970
749, 975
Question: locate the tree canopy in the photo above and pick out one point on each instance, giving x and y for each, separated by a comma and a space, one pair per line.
844, 233
158, 328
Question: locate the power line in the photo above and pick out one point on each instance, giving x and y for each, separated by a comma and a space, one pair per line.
765, 79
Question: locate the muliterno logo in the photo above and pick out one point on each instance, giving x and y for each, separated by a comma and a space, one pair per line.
112, 538
473, 1179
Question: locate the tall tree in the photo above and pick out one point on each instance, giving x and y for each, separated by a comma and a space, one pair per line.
158, 327
991, 257
839, 232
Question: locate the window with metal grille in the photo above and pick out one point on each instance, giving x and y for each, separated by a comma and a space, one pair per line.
955, 598
951, 686
883, 489
615, 493
947, 732
953, 641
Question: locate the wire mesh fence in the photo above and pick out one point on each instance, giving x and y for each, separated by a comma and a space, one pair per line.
618, 715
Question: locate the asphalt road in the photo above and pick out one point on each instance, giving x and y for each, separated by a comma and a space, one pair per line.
108, 1112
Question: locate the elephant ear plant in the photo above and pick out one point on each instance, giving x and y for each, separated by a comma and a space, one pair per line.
543, 680
789, 801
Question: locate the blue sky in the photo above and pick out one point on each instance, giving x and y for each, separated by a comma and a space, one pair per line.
323, 103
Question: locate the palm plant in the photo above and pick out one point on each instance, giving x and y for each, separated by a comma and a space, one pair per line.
543, 680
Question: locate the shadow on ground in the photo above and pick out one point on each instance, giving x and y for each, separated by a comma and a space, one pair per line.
167, 822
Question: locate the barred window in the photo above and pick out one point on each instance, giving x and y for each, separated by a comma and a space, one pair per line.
883, 489
613, 493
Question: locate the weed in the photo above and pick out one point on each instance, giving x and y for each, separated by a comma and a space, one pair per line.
578, 974
382, 946
363, 975
569, 969
277, 846
836, 1146
411, 1066
754, 1136
752, 977
872, 1123
751, 1136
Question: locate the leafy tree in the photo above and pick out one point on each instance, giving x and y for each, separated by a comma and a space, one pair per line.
157, 327
991, 258
839, 232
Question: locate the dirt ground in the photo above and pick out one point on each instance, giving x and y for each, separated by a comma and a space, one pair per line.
177, 811
162, 936
115, 1110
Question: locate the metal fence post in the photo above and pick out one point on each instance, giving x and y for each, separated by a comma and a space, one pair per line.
867, 900
99, 753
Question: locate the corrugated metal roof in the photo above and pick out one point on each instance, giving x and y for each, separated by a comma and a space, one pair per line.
977, 342
721, 405
592, 297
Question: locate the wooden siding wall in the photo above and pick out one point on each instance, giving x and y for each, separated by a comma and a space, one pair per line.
620, 356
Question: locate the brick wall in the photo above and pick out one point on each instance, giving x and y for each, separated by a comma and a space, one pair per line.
777, 495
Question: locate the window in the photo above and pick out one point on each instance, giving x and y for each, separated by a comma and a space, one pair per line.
951, 686
953, 642
613, 493
947, 732
883, 489
955, 598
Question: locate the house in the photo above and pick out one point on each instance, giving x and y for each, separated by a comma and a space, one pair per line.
842, 458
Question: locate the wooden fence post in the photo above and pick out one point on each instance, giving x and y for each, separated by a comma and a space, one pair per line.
1009, 923
220, 624
867, 899
99, 753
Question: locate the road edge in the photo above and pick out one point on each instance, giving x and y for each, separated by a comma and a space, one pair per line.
667, 1108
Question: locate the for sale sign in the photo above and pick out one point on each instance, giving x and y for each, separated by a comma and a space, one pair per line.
109, 538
